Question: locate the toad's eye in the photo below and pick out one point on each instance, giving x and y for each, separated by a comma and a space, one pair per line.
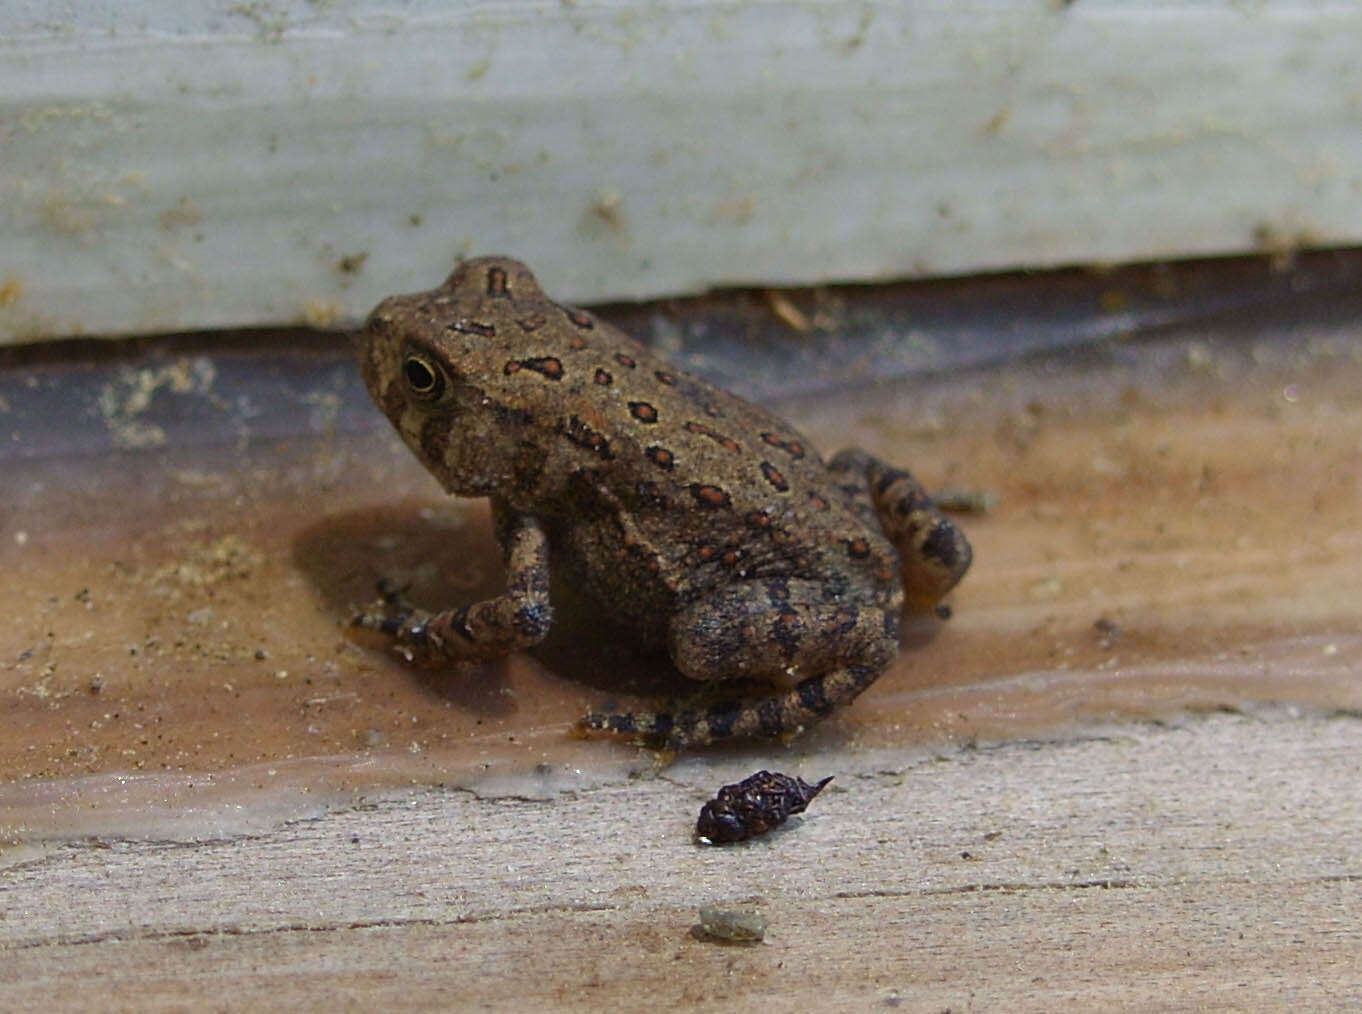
424, 379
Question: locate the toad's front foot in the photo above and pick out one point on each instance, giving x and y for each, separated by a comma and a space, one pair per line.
518, 618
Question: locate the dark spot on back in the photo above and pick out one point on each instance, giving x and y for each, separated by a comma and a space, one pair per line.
792, 447
728, 443
584, 436
758, 519
857, 549
709, 496
643, 412
546, 366
787, 630
774, 477
465, 326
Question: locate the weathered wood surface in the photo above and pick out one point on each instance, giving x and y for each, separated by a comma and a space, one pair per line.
1213, 864
1178, 530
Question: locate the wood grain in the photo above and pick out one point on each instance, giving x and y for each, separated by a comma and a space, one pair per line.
1214, 864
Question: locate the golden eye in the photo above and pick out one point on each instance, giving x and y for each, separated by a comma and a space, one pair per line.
424, 379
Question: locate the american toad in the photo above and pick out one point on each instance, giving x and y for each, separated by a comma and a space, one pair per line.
700, 521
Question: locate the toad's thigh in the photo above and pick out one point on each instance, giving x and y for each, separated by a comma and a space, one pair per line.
778, 630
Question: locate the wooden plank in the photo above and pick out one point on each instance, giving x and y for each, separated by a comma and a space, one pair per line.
1177, 530
1213, 863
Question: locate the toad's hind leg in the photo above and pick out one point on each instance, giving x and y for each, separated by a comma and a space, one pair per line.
518, 618
780, 714
768, 630
933, 552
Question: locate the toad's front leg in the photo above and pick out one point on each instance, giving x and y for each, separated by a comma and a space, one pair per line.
518, 618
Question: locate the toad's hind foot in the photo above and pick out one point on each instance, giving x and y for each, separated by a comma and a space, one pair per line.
777, 715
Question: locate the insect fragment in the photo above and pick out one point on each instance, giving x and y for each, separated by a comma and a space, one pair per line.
753, 806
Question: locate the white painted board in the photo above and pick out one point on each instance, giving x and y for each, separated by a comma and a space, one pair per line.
168, 166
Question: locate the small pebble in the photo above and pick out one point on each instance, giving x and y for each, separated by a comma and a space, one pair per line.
734, 925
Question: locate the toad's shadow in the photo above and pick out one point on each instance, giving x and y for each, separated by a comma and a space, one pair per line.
445, 555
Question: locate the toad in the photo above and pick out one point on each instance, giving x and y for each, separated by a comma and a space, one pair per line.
701, 522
